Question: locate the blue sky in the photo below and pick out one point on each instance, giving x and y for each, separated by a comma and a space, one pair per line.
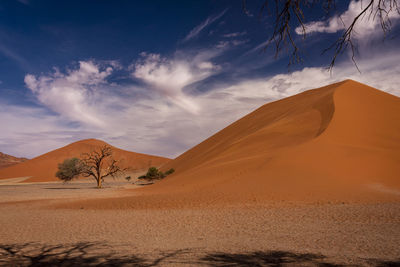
161, 76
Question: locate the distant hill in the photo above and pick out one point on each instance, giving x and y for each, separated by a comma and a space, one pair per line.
340, 141
7, 160
44, 167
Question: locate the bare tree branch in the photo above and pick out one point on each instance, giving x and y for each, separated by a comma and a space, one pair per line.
93, 165
290, 12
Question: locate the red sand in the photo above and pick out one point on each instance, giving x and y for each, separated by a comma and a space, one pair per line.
44, 167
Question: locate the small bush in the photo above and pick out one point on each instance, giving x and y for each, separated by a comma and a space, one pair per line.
154, 173
128, 178
170, 171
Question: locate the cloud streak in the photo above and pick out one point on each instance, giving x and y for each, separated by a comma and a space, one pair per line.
14, 56
197, 30
234, 34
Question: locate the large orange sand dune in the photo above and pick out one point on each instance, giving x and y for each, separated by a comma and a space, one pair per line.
44, 167
340, 141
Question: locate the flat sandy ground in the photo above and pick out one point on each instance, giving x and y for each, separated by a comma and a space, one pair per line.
34, 231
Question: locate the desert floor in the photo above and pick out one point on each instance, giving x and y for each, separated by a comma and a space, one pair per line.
34, 230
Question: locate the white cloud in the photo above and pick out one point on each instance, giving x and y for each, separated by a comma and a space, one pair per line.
366, 26
144, 119
196, 30
72, 94
171, 76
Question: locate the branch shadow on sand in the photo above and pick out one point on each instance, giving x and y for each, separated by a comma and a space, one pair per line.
284, 258
268, 258
79, 254
99, 254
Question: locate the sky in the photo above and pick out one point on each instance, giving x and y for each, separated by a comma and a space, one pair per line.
159, 77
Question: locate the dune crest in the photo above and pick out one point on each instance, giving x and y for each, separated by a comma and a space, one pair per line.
44, 167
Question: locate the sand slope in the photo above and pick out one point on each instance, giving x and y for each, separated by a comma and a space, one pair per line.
7, 160
44, 167
340, 141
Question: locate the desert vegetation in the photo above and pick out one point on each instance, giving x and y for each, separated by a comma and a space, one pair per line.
69, 169
155, 174
97, 164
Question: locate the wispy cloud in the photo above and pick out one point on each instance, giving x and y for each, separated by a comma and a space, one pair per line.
25, 2
258, 48
231, 43
171, 76
234, 34
21, 61
196, 30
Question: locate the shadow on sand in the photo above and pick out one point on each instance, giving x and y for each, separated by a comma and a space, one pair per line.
80, 254
269, 258
97, 254
64, 188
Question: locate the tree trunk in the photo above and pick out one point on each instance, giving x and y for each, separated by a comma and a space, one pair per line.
99, 183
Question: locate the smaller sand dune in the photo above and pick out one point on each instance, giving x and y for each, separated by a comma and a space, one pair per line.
44, 167
7, 160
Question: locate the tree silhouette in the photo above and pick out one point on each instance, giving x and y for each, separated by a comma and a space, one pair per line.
288, 12
93, 164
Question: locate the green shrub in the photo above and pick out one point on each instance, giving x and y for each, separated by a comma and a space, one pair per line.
170, 171
69, 169
154, 173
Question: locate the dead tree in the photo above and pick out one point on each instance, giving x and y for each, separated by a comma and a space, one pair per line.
99, 164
